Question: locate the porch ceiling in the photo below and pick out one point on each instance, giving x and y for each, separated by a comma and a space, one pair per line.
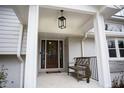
22, 10
75, 21
48, 18
79, 18
107, 11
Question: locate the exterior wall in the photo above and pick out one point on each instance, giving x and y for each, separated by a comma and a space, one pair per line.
116, 26
116, 66
89, 50
89, 47
74, 49
9, 32
9, 35
14, 70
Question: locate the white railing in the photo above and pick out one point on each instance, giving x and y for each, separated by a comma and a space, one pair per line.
94, 68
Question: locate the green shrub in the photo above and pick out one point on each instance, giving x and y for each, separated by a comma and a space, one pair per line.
3, 76
118, 82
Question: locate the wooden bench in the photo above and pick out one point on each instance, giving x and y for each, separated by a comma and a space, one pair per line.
81, 68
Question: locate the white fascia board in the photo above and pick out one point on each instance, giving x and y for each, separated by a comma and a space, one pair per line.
108, 34
86, 9
114, 34
118, 17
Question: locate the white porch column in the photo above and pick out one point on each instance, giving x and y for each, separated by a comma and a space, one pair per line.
102, 51
30, 77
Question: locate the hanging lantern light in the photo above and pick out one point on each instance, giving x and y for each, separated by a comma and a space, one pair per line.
62, 21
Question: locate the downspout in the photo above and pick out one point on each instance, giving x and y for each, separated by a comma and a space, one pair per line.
82, 43
85, 36
20, 57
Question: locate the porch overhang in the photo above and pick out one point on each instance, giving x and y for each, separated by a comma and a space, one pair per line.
31, 57
107, 11
22, 10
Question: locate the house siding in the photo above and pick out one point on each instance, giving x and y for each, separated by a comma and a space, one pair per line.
89, 50
74, 49
116, 66
9, 32
13, 65
89, 47
9, 38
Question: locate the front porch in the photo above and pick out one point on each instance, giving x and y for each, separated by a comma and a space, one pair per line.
75, 37
62, 80
79, 23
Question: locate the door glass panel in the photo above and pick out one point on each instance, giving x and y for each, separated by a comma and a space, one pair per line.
43, 54
52, 54
61, 53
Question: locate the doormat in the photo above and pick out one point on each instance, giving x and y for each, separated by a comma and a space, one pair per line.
48, 72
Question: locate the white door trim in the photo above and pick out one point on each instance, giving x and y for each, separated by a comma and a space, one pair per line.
51, 69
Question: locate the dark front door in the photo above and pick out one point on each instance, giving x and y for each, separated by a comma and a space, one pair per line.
52, 54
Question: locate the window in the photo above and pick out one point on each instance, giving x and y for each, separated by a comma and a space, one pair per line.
116, 48
113, 27
121, 47
112, 49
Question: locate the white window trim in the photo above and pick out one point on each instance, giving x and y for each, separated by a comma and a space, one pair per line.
117, 49
112, 48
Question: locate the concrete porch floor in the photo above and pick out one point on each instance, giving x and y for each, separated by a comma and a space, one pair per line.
62, 80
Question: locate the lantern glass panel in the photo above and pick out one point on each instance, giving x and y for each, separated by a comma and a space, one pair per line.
62, 22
